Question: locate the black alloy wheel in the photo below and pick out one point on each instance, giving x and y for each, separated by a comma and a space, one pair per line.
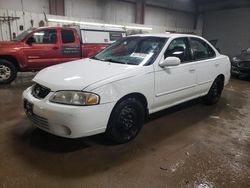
215, 92
126, 121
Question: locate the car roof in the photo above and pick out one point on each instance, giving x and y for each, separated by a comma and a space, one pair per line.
175, 35
167, 35
54, 27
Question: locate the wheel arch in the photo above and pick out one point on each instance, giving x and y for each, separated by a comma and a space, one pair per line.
11, 59
137, 96
111, 132
221, 76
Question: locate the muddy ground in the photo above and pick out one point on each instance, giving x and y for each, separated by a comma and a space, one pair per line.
191, 145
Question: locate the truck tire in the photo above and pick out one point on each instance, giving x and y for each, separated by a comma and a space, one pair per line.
126, 121
8, 72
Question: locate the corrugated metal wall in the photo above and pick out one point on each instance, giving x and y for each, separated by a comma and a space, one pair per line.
25, 21
168, 18
230, 27
108, 11
181, 5
38, 6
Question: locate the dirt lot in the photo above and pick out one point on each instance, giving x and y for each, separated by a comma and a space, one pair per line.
191, 145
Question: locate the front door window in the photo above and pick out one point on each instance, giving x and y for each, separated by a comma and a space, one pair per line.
48, 36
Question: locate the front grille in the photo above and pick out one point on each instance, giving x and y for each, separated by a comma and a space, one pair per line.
244, 64
39, 91
39, 121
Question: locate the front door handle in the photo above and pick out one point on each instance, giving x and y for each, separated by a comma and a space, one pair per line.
55, 48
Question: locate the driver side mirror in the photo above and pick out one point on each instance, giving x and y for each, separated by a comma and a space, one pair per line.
170, 61
30, 41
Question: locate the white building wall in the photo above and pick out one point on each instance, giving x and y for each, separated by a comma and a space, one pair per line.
119, 12
102, 11
230, 27
107, 10
25, 21
168, 18
36, 6
183, 5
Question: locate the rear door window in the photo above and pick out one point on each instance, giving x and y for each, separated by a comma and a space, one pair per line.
200, 49
67, 36
115, 35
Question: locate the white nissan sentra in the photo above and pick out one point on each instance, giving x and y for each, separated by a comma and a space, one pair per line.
114, 91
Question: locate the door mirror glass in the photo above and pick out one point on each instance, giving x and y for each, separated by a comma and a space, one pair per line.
30, 41
170, 61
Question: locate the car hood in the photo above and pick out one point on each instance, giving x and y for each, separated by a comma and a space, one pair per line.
244, 57
77, 75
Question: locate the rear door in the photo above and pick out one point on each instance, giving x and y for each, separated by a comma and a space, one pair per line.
70, 45
44, 50
207, 64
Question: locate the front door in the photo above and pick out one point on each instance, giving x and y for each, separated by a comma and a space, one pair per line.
43, 49
175, 84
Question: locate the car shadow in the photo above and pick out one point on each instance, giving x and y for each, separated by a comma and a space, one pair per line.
50, 143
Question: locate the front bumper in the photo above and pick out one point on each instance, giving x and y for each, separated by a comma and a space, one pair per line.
66, 120
240, 70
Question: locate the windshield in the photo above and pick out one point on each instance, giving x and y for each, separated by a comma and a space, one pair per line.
22, 35
133, 50
248, 50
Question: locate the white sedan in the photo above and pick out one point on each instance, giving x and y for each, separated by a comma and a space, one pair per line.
114, 91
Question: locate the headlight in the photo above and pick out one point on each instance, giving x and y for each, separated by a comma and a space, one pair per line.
78, 98
236, 59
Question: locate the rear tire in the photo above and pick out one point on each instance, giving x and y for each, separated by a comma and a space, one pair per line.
8, 72
126, 121
214, 93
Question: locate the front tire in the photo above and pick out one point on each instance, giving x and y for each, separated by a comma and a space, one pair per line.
8, 72
126, 121
215, 91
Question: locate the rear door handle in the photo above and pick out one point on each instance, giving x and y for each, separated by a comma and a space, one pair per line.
217, 64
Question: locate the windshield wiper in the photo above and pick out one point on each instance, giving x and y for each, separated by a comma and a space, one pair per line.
108, 60
95, 58
113, 61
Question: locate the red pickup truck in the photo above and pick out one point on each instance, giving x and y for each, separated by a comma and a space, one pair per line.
38, 48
